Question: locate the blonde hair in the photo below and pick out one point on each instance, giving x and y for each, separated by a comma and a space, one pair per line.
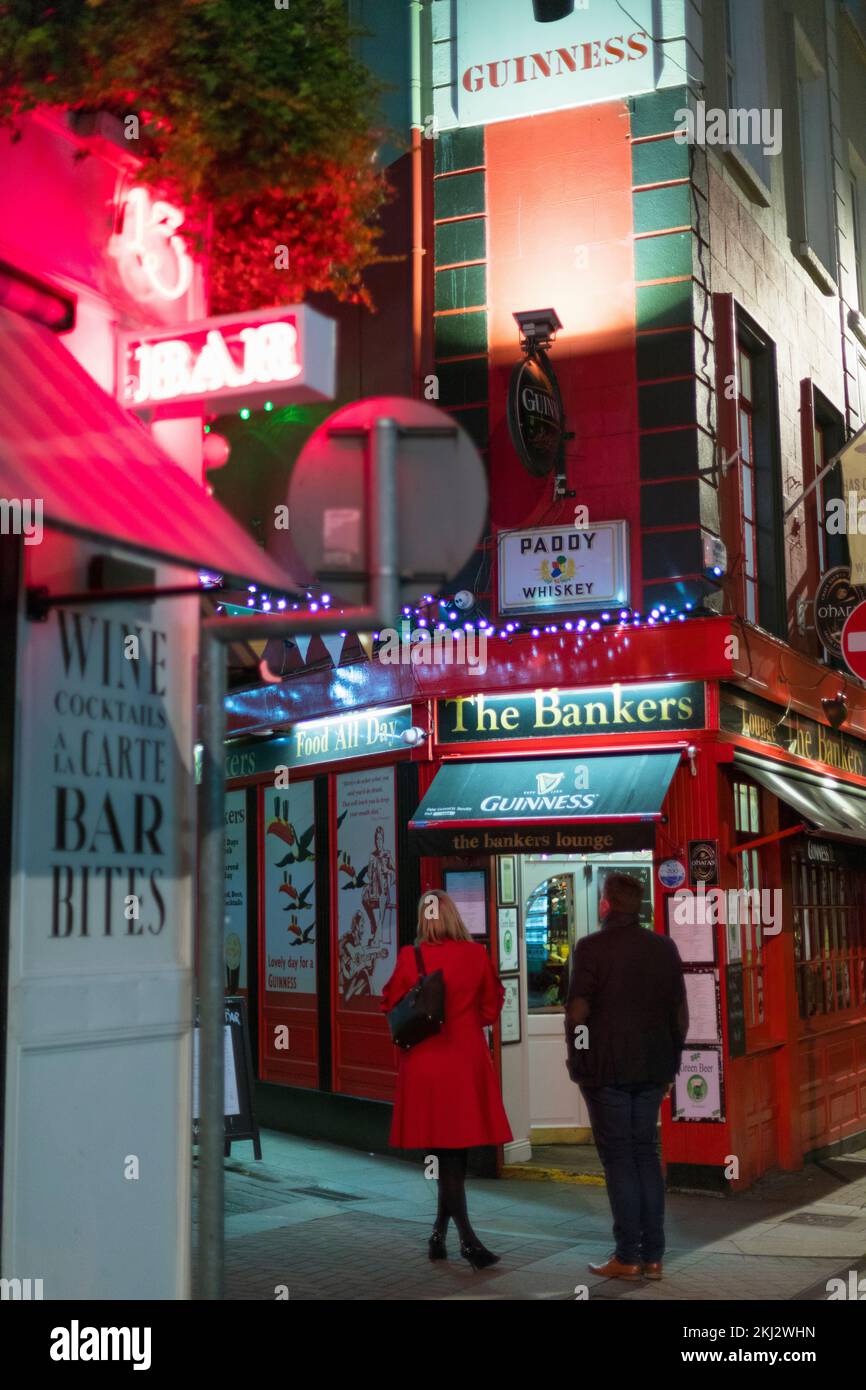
438, 919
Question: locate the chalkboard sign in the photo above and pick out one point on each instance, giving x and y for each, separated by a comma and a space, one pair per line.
240, 1120
736, 1011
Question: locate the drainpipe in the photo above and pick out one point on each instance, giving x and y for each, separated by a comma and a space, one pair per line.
415, 8
384, 602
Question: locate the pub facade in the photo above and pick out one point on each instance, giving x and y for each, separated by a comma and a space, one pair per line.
743, 816
641, 334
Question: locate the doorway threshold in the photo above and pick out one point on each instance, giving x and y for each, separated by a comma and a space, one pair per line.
575, 1163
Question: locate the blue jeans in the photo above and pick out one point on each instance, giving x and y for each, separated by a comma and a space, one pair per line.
624, 1120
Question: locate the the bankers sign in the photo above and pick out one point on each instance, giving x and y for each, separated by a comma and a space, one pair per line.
541, 55
668, 707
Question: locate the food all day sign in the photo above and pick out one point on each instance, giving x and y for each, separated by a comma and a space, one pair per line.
281, 355
323, 741
562, 569
541, 55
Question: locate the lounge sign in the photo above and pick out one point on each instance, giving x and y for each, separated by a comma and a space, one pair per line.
621, 709
282, 355
322, 741
563, 569
802, 737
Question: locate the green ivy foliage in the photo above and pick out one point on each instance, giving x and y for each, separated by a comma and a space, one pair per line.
258, 119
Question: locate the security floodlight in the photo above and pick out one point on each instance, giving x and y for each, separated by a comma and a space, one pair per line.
414, 737
538, 328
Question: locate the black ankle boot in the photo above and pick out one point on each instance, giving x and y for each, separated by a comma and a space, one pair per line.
478, 1256
436, 1246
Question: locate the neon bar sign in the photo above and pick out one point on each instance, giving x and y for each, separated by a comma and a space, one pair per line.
152, 258
282, 355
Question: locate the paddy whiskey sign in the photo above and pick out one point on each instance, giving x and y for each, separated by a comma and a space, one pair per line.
560, 569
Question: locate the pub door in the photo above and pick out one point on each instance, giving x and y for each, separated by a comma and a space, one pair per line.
562, 900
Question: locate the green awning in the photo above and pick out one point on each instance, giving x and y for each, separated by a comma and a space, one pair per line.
583, 805
835, 809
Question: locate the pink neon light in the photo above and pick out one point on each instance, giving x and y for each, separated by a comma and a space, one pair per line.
170, 368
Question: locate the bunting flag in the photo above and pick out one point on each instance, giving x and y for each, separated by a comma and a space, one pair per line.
366, 640
303, 645
853, 468
334, 646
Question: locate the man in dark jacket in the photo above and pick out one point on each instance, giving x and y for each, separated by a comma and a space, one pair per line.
626, 1024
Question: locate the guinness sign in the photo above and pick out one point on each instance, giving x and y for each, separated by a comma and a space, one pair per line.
835, 600
535, 415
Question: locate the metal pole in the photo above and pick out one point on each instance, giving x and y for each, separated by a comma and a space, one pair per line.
384, 548
211, 976
383, 605
417, 196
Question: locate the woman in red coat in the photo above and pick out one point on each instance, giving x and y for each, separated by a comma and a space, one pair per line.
448, 1098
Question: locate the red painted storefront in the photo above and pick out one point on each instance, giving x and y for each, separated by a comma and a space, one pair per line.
800, 1084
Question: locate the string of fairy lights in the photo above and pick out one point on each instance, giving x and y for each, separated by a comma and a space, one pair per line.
460, 613
434, 615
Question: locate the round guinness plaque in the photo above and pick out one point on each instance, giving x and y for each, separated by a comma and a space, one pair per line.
836, 598
535, 415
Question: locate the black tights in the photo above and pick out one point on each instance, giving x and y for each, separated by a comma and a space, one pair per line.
452, 1193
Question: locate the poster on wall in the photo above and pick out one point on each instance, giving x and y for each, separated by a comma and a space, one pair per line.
289, 878
698, 1093
366, 877
543, 55
235, 920
100, 930
510, 1016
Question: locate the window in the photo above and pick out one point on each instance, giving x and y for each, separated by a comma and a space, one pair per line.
760, 503
747, 484
730, 64
813, 109
829, 437
549, 940
747, 826
857, 226
829, 914
857, 233
746, 78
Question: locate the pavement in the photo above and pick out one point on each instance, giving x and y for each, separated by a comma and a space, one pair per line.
315, 1221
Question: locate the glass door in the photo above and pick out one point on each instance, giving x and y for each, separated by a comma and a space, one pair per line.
549, 929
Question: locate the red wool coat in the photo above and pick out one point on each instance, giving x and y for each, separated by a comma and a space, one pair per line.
448, 1096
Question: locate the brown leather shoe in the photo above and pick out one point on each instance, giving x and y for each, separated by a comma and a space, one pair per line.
615, 1269
653, 1271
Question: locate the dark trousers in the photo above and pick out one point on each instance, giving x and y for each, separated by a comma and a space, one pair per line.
624, 1120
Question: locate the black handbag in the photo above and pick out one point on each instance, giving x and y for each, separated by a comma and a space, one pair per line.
421, 1012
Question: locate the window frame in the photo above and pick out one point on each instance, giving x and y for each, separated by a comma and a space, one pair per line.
809, 167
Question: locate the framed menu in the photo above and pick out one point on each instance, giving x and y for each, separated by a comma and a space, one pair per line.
509, 956
702, 996
468, 888
699, 1090
689, 928
510, 1016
